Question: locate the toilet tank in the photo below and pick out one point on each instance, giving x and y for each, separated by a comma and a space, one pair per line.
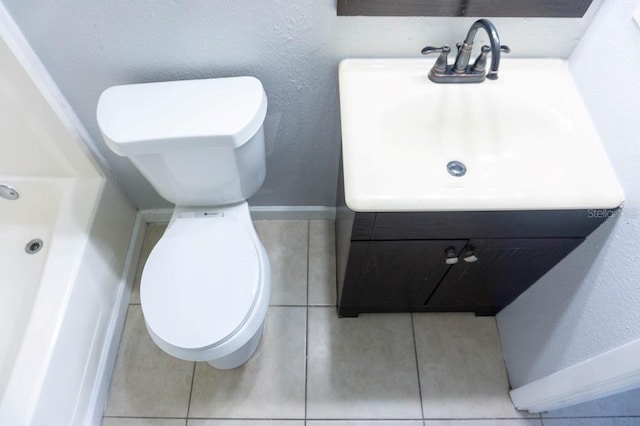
198, 142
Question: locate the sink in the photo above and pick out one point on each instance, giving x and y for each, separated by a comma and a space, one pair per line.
526, 140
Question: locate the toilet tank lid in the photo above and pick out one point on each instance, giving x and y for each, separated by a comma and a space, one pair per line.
153, 117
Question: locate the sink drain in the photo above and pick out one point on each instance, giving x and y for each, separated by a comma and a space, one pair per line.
8, 192
456, 168
33, 246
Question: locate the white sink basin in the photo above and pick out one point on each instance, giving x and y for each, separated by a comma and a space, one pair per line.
526, 140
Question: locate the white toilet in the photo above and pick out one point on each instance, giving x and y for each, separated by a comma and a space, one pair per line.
206, 286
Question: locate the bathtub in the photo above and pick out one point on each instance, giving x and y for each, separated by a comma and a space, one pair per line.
31, 216
62, 309
59, 307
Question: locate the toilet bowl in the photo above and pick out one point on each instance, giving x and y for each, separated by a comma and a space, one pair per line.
206, 285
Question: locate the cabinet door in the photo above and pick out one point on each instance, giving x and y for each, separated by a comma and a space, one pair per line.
503, 270
394, 275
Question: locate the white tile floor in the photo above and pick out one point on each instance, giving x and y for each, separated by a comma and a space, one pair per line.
316, 369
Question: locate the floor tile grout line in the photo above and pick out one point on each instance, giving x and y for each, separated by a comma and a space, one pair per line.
614, 416
415, 353
145, 417
304, 306
403, 419
306, 365
193, 379
308, 257
331, 419
306, 335
312, 305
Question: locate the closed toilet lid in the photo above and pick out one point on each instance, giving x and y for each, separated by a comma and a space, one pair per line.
200, 282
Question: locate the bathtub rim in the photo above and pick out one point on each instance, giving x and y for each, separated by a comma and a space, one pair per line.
67, 247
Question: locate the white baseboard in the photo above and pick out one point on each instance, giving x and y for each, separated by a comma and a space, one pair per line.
116, 325
292, 212
156, 215
612, 372
258, 213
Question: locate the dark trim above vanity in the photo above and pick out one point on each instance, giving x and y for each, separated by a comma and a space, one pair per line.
470, 8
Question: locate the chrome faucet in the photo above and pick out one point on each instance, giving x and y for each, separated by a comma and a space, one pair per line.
461, 71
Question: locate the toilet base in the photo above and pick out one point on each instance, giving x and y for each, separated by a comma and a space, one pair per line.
236, 349
240, 356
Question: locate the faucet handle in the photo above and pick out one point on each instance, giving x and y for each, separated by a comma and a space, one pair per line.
432, 49
481, 61
505, 49
440, 67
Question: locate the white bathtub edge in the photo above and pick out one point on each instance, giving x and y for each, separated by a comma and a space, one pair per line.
66, 394
39, 343
100, 392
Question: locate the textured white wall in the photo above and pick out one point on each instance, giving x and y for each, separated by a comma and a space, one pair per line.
292, 46
590, 302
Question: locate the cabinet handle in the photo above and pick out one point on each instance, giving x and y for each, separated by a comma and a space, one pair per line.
452, 259
469, 255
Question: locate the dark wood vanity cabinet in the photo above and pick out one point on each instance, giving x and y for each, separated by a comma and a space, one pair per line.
505, 268
397, 262
392, 276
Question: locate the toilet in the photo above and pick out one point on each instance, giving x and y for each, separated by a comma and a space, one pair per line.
206, 285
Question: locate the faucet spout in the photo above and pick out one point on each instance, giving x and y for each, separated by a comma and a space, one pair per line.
464, 53
494, 41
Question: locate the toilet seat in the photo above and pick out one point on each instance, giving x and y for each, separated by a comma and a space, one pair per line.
200, 282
